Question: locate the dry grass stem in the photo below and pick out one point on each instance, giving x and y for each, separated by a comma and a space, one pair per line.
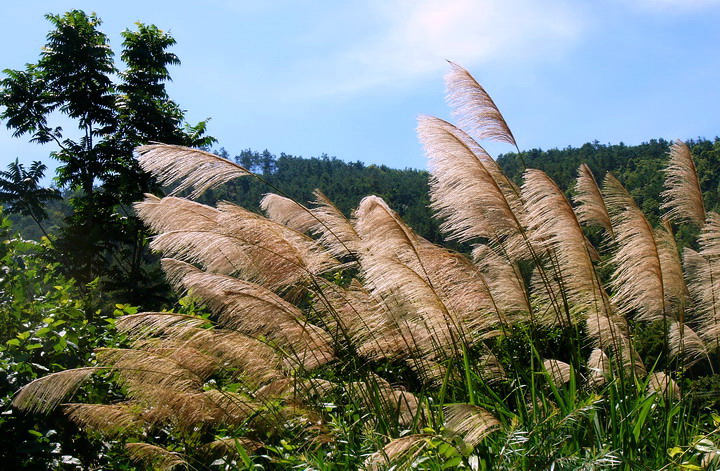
189, 168
682, 197
590, 207
44, 394
473, 423
155, 457
475, 110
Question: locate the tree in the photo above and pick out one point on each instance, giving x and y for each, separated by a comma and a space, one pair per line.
74, 76
21, 193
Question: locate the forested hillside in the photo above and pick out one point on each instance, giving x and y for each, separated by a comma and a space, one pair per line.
637, 167
406, 191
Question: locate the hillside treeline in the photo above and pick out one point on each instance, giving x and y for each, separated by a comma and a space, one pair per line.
406, 190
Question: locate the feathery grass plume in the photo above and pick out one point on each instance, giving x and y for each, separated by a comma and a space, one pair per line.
431, 373
383, 233
461, 286
232, 299
155, 457
400, 452
249, 359
336, 232
559, 371
474, 108
507, 186
192, 359
287, 212
228, 446
704, 287
111, 420
504, 280
682, 197
661, 383
590, 205
362, 318
407, 407
637, 281
676, 291
190, 168
491, 370
172, 213
252, 359
455, 281
419, 314
547, 297
606, 334
146, 324
295, 388
472, 422
710, 238
555, 228
630, 362
44, 394
305, 346
599, 368
401, 406
271, 239
464, 193
143, 367
395, 272
617, 198
611, 334
255, 248
165, 405
252, 309
686, 343
231, 408
233, 240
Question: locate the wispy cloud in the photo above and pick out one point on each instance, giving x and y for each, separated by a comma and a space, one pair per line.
411, 39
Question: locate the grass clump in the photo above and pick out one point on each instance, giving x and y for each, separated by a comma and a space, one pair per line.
338, 343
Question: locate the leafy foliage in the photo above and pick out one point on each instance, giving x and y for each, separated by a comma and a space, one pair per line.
20, 191
46, 325
74, 76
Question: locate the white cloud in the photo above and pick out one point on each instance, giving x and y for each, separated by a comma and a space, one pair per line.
412, 38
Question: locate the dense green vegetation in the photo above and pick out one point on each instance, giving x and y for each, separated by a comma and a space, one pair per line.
114, 110
47, 324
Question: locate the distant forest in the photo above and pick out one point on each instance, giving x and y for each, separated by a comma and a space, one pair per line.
406, 191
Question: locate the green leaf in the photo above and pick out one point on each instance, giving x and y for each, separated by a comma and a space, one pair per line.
42, 332
453, 463
691, 466
674, 451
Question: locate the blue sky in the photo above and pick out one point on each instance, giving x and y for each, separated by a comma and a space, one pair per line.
349, 78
